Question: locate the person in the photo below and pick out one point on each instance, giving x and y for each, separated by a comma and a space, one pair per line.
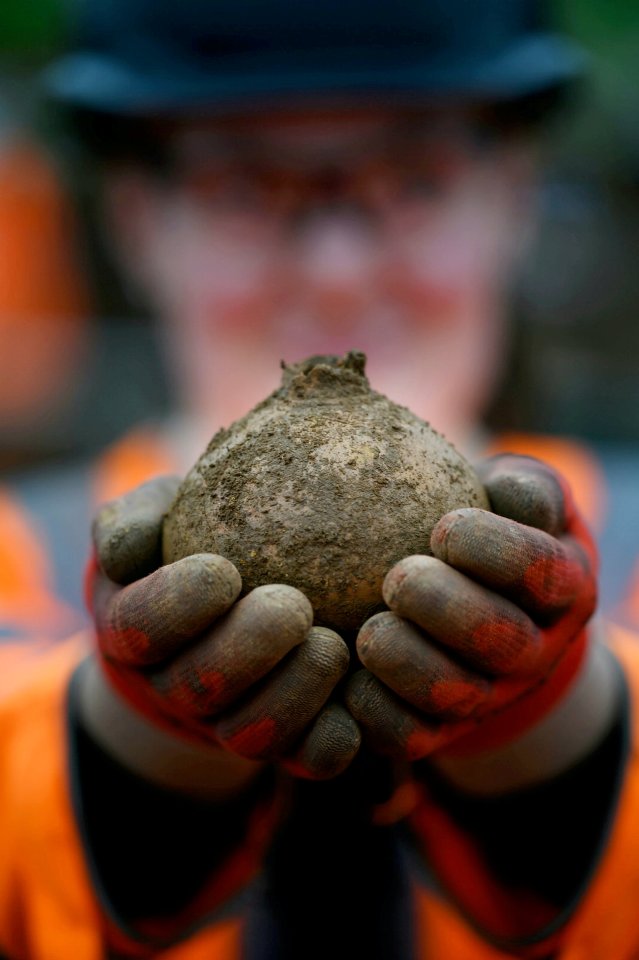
206, 774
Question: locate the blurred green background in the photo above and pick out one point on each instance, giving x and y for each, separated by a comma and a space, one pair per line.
30, 32
580, 297
576, 350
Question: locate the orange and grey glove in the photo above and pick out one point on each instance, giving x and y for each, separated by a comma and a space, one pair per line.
250, 675
483, 638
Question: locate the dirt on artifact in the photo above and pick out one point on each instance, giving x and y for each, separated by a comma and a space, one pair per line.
324, 486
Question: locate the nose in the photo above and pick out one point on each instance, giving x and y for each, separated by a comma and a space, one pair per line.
335, 255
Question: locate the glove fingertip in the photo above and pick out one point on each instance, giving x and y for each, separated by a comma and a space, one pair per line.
329, 748
129, 553
127, 532
528, 491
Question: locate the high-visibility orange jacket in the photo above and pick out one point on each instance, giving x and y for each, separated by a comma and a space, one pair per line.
51, 905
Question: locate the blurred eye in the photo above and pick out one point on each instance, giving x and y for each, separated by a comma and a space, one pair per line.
422, 186
434, 170
223, 192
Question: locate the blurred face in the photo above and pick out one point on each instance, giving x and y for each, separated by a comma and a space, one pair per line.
274, 240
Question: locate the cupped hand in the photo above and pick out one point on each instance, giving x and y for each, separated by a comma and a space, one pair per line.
482, 638
252, 676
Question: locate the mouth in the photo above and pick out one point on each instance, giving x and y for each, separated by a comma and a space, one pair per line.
375, 332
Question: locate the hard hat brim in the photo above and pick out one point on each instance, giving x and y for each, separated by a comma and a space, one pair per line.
89, 80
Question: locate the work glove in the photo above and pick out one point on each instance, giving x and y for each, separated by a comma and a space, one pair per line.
251, 676
485, 636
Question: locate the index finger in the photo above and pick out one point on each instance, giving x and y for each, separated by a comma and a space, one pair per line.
150, 620
542, 574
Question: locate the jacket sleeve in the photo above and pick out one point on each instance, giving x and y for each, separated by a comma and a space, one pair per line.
585, 909
163, 863
56, 892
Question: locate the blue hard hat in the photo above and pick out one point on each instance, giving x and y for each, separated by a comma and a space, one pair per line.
174, 56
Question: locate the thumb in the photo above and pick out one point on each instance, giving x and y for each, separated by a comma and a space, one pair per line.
127, 532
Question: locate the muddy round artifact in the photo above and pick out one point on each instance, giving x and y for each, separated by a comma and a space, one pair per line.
324, 485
